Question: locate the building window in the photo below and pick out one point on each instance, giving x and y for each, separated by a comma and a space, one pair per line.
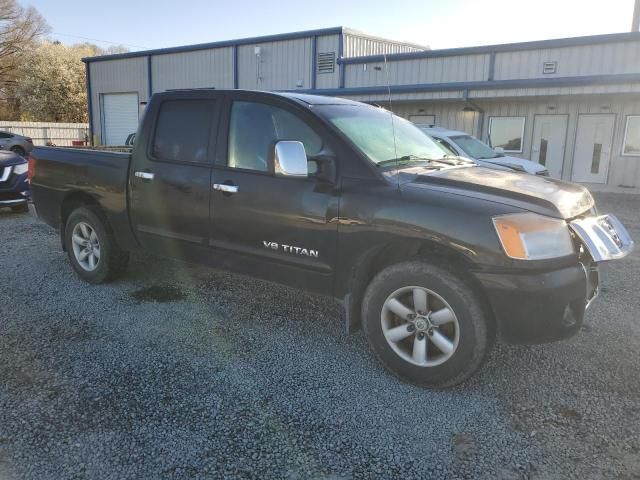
631, 144
507, 133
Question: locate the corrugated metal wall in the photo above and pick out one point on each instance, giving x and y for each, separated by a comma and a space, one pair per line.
462, 68
117, 76
328, 44
609, 58
360, 45
200, 69
447, 115
281, 65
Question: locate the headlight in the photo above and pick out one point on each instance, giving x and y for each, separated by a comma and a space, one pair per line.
529, 236
20, 169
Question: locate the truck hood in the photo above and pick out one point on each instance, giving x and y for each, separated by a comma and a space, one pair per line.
535, 193
508, 161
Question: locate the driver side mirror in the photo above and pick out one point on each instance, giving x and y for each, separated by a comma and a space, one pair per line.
499, 150
290, 159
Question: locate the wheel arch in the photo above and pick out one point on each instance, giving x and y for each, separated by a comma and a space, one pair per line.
73, 201
377, 259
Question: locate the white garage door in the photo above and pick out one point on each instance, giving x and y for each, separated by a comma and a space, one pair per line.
119, 117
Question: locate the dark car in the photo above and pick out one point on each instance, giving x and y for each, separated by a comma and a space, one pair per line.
14, 188
432, 254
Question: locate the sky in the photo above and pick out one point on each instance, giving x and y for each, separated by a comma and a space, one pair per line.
145, 24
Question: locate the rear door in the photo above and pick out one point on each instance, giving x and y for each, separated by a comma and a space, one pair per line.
170, 178
278, 228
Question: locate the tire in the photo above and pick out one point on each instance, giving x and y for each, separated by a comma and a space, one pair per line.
459, 310
20, 208
19, 150
112, 260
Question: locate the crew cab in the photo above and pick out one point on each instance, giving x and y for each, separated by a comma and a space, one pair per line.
434, 256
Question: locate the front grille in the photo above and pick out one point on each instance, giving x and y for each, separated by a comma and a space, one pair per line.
4, 174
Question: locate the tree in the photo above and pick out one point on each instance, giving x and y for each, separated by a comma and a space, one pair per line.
19, 28
51, 84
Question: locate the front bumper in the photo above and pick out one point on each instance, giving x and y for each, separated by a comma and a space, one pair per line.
14, 191
541, 307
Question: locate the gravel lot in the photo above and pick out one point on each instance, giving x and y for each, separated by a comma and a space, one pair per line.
181, 372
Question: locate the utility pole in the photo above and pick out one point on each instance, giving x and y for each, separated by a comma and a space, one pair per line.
635, 24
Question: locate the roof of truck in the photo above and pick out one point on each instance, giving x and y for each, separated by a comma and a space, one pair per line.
316, 99
304, 98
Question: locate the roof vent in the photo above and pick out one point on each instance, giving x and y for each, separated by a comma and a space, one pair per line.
326, 62
549, 67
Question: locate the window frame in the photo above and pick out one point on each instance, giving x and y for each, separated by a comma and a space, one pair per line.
222, 157
524, 125
624, 138
213, 124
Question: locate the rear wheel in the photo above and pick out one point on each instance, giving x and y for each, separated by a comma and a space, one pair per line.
425, 324
91, 247
19, 150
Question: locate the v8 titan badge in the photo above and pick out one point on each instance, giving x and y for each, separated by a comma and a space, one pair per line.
306, 252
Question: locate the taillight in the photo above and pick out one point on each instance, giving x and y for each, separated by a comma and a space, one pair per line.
32, 168
30, 140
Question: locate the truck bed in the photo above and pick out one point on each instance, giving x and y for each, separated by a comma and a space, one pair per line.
98, 174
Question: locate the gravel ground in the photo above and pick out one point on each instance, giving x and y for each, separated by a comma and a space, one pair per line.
181, 372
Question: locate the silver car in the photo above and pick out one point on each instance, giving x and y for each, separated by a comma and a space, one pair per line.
464, 145
16, 143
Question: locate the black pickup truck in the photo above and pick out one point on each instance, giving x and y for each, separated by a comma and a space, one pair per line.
433, 256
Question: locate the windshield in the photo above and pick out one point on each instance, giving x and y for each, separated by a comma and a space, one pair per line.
371, 130
474, 147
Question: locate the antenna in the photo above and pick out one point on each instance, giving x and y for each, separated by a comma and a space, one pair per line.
393, 127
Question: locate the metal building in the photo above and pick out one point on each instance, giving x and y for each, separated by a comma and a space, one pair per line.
572, 104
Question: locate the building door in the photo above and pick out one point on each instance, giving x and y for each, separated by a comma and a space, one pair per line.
549, 138
119, 117
593, 148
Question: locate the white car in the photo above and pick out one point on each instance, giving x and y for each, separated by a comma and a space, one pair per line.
464, 145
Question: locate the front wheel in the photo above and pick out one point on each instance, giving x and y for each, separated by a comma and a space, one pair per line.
91, 247
425, 324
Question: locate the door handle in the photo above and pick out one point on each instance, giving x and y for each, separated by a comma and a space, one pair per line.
144, 175
223, 187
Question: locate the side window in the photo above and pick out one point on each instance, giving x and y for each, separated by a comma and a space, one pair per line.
5, 135
182, 131
254, 127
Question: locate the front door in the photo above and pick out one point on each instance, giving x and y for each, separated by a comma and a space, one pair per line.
278, 228
593, 148
170, 181
549, 138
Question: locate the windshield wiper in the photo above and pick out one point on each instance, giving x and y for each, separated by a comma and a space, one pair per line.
405, 159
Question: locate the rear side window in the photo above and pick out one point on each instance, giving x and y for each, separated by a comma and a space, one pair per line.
5, 135
183, 130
